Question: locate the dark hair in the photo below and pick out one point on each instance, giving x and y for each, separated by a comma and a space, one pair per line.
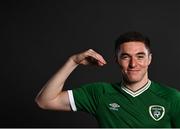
131, 36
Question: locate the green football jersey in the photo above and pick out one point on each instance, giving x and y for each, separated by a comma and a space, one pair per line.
114, 105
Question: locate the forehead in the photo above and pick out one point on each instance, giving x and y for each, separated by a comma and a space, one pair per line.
133, 47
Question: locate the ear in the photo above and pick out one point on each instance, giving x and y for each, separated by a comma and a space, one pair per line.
150, 58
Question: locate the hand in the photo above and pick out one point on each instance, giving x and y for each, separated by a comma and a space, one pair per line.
89, 57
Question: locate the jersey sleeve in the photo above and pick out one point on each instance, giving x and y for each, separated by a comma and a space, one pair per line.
176, 110
86, 98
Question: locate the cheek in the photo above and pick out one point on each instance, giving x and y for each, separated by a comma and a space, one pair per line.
144, 64
123, 65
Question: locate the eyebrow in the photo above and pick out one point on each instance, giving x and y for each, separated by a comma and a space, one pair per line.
126, 54
140, 53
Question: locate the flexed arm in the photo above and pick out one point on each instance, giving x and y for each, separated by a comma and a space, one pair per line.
51, 95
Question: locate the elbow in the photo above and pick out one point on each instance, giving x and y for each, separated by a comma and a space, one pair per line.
46, 105
41, 104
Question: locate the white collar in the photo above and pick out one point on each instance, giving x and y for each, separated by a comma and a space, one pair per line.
138, 92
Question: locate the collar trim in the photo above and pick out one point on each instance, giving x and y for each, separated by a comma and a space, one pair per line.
138, 92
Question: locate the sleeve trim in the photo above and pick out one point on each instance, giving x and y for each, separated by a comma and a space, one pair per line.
71, 99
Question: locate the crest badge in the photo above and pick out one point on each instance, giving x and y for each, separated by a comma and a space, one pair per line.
156, 112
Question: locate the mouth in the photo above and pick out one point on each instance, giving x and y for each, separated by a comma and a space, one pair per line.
133, 71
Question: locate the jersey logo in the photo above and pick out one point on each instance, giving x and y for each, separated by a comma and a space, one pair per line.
114, 106
156, 112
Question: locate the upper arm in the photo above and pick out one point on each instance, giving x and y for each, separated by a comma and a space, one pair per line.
61, 103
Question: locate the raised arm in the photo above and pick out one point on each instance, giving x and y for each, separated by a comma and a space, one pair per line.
51, 95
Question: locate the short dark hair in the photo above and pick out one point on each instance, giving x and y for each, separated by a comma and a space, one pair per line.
131, 36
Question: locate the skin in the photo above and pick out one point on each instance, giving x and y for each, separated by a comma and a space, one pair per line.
52, 96
134, 60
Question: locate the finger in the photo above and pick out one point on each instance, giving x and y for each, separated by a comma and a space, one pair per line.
101, 58
93, 61
100, 64
97, 56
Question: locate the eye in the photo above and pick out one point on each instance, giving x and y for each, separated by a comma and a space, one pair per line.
140, 56
124, 57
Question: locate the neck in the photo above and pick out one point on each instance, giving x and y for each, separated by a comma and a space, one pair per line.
134, 86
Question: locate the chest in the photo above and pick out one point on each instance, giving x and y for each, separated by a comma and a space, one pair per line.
116, 110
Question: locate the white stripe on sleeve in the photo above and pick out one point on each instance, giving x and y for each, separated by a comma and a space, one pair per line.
71, 99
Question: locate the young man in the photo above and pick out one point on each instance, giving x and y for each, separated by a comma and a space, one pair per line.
134, 102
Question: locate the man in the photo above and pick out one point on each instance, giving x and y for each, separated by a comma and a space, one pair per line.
134, 102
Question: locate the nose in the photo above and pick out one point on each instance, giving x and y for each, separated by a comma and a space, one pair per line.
132, 63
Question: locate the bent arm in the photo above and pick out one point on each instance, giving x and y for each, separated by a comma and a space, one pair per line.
51, 95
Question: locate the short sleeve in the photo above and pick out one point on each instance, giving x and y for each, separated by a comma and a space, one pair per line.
86, 98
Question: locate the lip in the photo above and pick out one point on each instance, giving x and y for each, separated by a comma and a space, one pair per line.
133, 70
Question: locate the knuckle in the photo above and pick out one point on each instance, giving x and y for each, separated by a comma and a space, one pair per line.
90, 49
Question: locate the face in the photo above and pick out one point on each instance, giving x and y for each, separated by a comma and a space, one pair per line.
134, 59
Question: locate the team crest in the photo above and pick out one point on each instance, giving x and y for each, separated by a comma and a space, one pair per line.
156, 112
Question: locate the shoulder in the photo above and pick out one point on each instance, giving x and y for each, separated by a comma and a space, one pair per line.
98, 87
165, 91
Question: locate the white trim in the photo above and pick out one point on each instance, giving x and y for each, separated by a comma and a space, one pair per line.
136, 93
71, 99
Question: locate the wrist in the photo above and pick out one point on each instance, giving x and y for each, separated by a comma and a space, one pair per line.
72, 61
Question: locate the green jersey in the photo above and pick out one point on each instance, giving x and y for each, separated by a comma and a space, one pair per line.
114, 105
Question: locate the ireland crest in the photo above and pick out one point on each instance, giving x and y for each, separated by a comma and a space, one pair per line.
156, 112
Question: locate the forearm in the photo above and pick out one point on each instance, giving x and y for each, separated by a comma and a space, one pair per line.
55, 85
51, 95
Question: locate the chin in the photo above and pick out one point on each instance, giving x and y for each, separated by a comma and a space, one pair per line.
133, 80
